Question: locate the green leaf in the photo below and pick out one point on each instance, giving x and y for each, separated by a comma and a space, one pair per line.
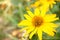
35, 37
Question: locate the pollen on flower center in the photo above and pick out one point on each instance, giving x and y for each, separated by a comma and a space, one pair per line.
37, 21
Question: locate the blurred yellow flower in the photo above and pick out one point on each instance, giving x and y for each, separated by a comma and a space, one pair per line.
38, 23
44, 2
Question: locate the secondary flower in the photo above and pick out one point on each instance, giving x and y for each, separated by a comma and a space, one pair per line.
44, 2
38, 23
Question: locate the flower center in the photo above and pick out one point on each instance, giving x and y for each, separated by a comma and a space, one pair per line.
37, 21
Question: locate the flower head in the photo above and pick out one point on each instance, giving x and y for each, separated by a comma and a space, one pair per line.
44, 2
38, 23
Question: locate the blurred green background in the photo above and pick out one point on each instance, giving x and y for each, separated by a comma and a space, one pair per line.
11, 13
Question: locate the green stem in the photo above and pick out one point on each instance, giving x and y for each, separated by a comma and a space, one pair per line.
21, 12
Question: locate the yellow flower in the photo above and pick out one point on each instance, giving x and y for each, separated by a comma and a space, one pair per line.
38, 23
44, 2
49, 2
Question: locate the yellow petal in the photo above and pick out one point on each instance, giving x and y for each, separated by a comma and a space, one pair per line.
30, 13
36, 4
29, 30
52, 25
37, 12
49, 30
24, 29
24, 23
27, 17
39, 32
44, 10
50, 15
32, 33
50, 18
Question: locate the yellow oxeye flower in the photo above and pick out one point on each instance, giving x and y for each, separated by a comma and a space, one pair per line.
49, 2
38, 23
44, 2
